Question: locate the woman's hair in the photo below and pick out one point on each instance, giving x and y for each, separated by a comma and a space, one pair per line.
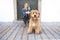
26, 4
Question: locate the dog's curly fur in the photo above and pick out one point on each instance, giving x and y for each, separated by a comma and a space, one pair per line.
34, 22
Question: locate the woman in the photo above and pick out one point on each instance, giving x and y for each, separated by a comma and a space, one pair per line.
26, 10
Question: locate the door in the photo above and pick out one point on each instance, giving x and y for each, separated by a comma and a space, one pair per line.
20, 4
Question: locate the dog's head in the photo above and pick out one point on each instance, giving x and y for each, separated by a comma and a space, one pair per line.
34, 14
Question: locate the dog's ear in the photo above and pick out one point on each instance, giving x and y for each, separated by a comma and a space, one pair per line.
38, 14
30, 13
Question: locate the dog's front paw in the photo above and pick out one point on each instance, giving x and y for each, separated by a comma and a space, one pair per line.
28, 32
37, 32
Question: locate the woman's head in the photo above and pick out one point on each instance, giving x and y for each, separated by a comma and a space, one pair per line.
26, 5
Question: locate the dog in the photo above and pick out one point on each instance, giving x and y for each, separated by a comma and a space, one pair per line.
34, 22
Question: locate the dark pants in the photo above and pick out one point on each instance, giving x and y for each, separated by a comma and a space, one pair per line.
26, 18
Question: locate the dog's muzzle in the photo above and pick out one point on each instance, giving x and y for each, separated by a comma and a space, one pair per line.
34, 15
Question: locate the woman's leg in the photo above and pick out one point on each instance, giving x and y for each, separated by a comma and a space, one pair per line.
24, 19
28, 17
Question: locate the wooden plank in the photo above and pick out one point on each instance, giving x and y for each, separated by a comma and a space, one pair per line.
53, 24
31, 36
4, 32
5, 26
14, 33
50, 36
17, 31
22, 33
12, 30
2, 23
56, 26
52, 32
2, 26
7, 33
19, 34
43, 34
53, 28
25, 35
38, 37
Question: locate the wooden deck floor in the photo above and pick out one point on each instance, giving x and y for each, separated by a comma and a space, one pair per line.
16, 31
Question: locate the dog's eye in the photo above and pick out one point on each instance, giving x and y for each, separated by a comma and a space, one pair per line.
33, 13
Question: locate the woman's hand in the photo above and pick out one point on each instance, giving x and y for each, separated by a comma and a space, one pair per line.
27, 12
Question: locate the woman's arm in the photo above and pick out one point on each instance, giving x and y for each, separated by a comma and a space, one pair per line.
23, 12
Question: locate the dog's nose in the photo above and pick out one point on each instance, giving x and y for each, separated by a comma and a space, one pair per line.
34, 15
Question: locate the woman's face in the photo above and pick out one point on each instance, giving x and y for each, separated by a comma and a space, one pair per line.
26, 5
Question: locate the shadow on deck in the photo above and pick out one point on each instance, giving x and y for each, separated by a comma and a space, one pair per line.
16, 31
